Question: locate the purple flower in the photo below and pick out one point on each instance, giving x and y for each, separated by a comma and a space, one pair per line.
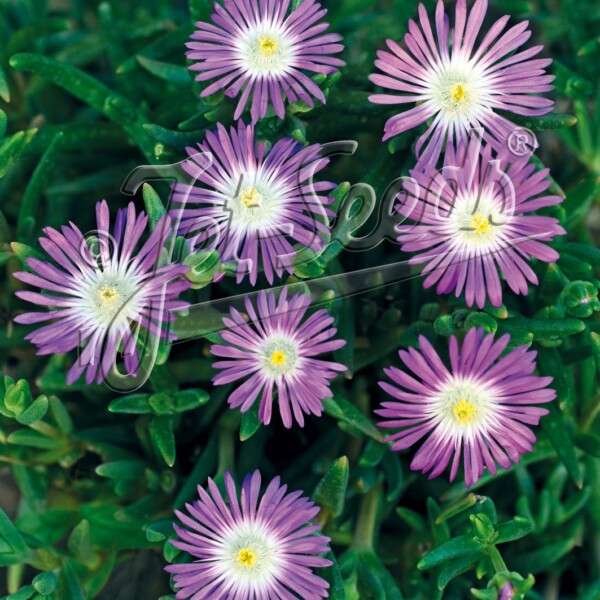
460, 84
274, 351
101, 291
479, 407
470, 220
251, 548
253, 208
255, 49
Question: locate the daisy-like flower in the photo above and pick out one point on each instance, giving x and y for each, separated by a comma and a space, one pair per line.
261, 51
275, 351
101, 292
253, 208
460, 84
471, 220
251, 547
481, 407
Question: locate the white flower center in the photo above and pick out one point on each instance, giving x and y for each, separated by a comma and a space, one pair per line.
458, 90
109, 297
463, 407
265, 49
279, 355
250, 556
477, 222
254, 203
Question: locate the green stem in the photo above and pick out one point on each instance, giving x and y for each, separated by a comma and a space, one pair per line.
15, 577
591, 414
364, 533
226, 442
497, 560
360, 398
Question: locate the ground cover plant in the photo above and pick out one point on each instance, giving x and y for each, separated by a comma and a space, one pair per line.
299, 299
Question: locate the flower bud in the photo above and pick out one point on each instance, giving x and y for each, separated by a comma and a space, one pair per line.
580, 299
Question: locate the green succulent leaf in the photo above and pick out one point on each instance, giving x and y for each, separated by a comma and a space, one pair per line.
459, 547
174, 74
133, 404
10, 536
555, 428
34, 412
250, 423
513, 530
548, 122
163, 437
330, 493
343, 410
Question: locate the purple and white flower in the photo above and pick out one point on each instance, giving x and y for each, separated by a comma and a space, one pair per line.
481, 407
101, 292
260, 51
253, 207
250, 547
275, 351
458, 83
471, 220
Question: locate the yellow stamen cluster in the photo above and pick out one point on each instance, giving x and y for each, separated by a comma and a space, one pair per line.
108, 295
246, 558
267, 45
479, 223
458, 93
464, 411
278, 358
251, 198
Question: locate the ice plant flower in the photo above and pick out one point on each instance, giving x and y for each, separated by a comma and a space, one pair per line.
253, 208
101, 292
480, 407
275, 351
471, 220
251, 547
261, 51
458, 83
